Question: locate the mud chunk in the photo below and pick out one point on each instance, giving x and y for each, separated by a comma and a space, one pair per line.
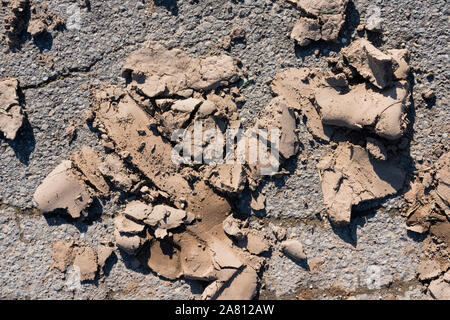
85, 258
163, 218
382, 111
62, 255
315, 264
196, 260
256, 244
158, 72
418, 228
329, 16
207, 108
258, 202
442, 232
371, 63
418, 221
415, 192
137, 210
42, 20
428, 269
129, 244
401, 63
227, 177
279, 232
350, 177
126, 124
376, 149
11, 114
164, 259
440, 289
294, 249
203, 251
103, 254
212, 291
16, 22
306, 30
447, 277
187, 105
124, 225
232, 227
62, 189
87, 161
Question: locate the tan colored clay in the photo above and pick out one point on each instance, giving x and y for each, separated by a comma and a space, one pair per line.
294, 249
62, 189
349, 177
11, 113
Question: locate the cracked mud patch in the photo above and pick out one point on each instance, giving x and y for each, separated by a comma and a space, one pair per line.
181, 224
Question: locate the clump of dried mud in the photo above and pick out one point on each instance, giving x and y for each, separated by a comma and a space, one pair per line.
11, 112
29, 17
322, 20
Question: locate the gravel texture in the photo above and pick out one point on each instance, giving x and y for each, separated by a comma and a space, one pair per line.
373, 258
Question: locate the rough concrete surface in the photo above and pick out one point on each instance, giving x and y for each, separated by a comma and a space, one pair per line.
373, 257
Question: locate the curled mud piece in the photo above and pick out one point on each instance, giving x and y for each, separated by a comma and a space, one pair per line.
63, 189
324, 20
88, 261
305, 31
428, 269
381, 69
16, 22
256, 244
361, 107
349, 177
11, 114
